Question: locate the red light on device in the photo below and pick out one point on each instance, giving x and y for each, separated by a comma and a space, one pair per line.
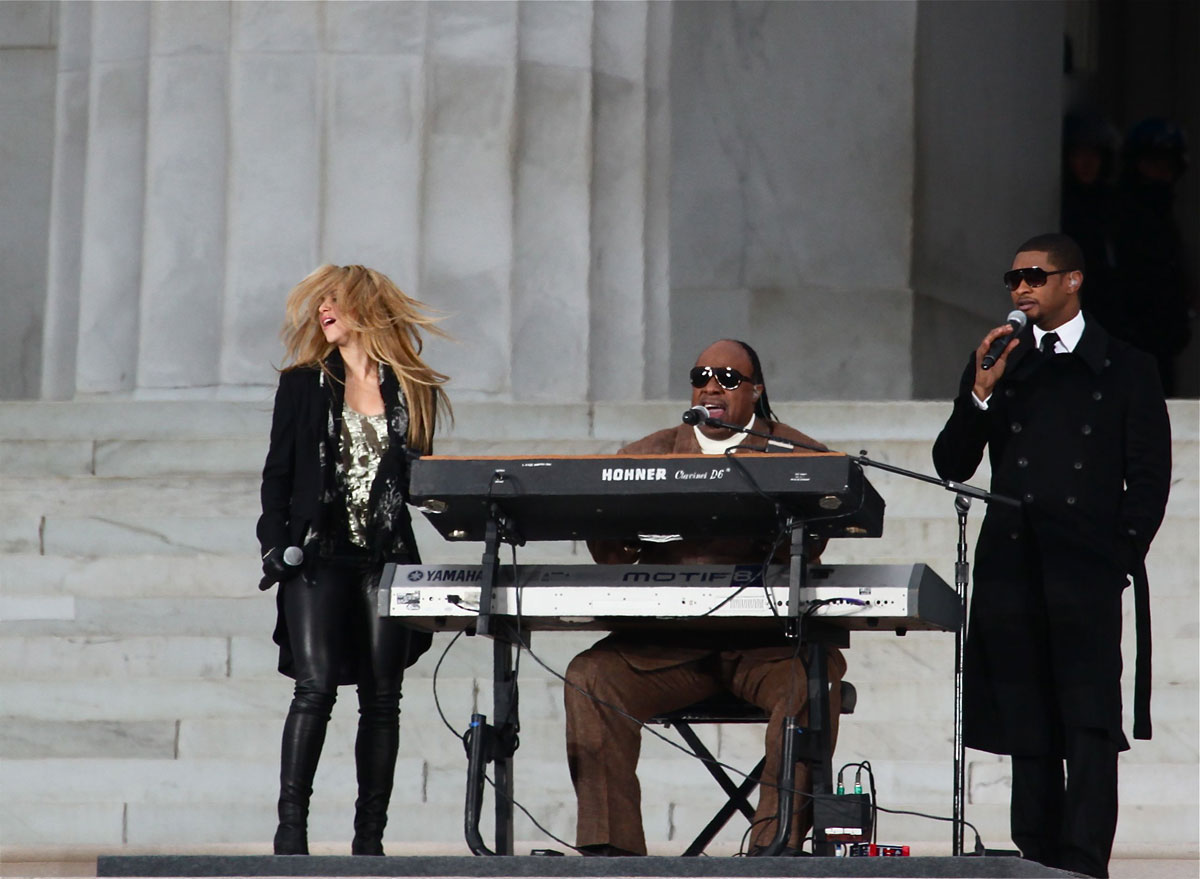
871, 850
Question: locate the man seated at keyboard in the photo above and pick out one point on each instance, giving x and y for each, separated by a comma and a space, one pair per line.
648, 673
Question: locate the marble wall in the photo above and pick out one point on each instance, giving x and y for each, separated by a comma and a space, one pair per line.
499, 160
792, 192
988, 129
589, 191
27, 58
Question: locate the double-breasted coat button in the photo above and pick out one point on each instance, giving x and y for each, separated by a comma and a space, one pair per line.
1070, 500
1086, 430
1015, 535
1022, 462
1010, 392
1107, 362
1078, 465
1096, 395
1016, 427
1028, 497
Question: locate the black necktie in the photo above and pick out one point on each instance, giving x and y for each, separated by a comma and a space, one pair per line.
1048, 342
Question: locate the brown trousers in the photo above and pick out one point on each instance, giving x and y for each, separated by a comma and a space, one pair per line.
603, 746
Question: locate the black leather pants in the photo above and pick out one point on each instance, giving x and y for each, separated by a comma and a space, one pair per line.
333, 620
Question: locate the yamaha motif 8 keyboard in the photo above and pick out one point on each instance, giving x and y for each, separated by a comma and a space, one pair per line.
606, 497
605, 597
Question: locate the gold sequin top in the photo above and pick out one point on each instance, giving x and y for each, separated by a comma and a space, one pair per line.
364, 440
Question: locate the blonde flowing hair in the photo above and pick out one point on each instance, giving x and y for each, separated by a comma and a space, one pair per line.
388, 324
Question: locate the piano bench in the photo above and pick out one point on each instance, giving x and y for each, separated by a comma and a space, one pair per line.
727, 709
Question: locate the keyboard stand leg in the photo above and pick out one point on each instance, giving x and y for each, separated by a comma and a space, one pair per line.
504, 700
821, 762
797, 579
813, 745
494, 743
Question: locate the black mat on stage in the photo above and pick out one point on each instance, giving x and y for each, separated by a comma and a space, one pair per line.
270, 865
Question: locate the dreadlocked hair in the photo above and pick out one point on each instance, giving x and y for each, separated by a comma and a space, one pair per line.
762, 406
388, 324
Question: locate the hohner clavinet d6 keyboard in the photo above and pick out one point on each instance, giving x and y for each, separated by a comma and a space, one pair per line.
585, 497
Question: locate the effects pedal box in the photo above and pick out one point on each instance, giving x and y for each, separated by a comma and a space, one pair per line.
843, 817
871, 850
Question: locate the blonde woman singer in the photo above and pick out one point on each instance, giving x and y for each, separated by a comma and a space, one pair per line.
355, 401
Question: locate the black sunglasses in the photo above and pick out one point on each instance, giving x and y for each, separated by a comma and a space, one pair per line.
1035, 276
726, 376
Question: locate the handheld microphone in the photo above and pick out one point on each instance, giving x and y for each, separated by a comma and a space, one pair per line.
696, 415
1016, 320
293, 557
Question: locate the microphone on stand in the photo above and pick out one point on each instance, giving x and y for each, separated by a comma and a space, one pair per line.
1016, 320
699, 415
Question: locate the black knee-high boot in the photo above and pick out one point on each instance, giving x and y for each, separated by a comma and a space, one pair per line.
303, 738
375, 751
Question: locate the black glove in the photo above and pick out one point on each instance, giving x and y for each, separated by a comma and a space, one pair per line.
275, 569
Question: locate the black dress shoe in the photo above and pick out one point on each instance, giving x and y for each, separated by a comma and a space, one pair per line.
760, 851
604, 850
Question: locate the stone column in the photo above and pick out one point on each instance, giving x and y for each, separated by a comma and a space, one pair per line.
183, 256
791, 191
467, 190
657, 356
61, 332
618, 327
551, 253
275, 168
989, 117
27, 66
113, 198
374, 137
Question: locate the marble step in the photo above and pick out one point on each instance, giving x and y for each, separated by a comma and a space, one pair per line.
231, 569
245, 425
905, 540
1144, 831
612, 421
677, 800
616, 421
152, 700
243, 457
121, 468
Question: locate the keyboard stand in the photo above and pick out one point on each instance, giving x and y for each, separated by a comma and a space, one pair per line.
496, 743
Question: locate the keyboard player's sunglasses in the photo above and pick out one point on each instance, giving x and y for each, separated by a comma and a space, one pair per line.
726, 376
1034, 276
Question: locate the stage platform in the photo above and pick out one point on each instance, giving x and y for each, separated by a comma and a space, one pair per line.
550, 866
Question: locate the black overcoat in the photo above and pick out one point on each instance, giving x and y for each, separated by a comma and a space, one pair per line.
298, 493
1082, 440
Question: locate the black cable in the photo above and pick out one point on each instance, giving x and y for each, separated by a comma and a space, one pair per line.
809, 611
764, 568
437, 703
528, 815
713, 761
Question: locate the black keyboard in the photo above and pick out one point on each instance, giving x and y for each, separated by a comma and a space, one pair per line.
612, 497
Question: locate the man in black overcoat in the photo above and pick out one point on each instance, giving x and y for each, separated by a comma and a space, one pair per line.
1076, 429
